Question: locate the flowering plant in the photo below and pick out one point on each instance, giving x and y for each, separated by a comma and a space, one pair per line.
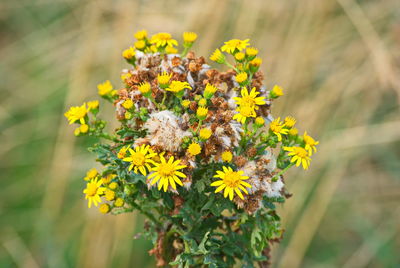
197, 152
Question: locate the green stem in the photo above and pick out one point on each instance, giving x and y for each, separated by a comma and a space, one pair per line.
164, 98
276, 176
199, 125
107, 137
231, 66
185, 50
147, 214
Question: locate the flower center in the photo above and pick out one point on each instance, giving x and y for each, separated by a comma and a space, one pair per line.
138, 159
166, 170
246, 111
91, 189
248, 101
232, 179
302, 153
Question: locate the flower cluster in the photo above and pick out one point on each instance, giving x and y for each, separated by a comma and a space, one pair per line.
194, 141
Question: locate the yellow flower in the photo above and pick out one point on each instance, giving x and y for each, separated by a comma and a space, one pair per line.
166, 173
163, 40
91, 174
241, 78
141, 34
104, 208
178, 86
299, 155
235, 45
84, 128
218, 56
145, 88
239, 56
128, 115
201, 113
293, 131
107, 179
194, 149
122, 152
290, 121
104, 88
113, 186
76, 113
119, 202
77, 132
92, 105
185, 103
128, 53
226, 156
244, 113
251, 51
109, 195
171, 50
202, 102
141, 44
93, 191
140, 159
276, 92
128, 103
278, 128
163, 79
249, 99
310, 143
259, 121
205, 133
254, 64
231, 181
189, 37
209, 91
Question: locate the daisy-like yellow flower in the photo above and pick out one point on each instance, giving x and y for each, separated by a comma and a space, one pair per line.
167, 173
104, 208
290, 121
310, 143
163, 79
241, 78
278, 128
231, 182
84, 128
201, 113
145, 89
251, 51
91, 174
209, 91
227, 156
140, 158
249, 99
141, 34
92, 105
125, 76
205, 133
276, 92
240, 56
235, 45
105, 88
194, 149
93, 191
128, 53
299, 155
128, 104
244, 113
122, 152
178, 86
185, 103
293, 131
140, 44
163, 40
218, 56
108, 178
189, 37
259, 121
76, 113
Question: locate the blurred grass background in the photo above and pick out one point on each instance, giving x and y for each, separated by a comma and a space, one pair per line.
338, 61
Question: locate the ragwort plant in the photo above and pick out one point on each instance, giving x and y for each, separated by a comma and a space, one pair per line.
197, 152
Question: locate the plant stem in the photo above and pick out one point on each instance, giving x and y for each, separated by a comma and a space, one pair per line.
276, 176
